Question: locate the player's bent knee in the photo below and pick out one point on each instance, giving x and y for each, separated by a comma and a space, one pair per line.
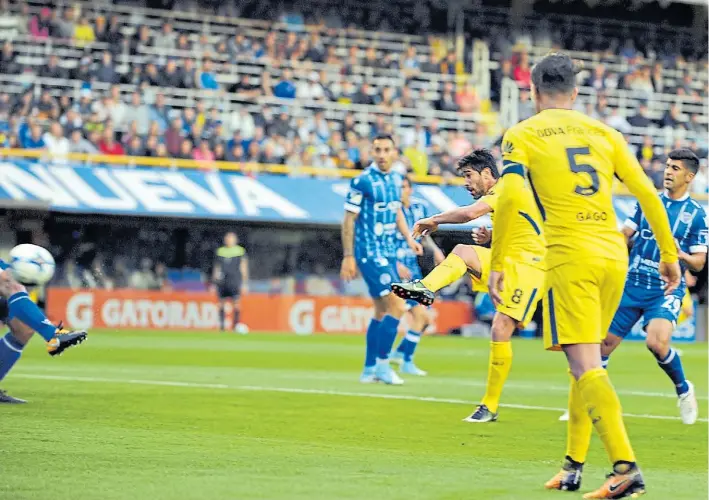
609, 344
502, 327
659, 333
469, 256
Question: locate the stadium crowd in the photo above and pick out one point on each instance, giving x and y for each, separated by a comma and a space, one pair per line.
144, 123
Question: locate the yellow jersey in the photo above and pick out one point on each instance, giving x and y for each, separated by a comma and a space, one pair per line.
526, 241
570, 161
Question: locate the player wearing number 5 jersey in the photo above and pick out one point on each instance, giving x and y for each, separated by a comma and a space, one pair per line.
570, 161
643, 295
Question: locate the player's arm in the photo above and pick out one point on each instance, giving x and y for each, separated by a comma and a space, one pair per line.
353, 205
403, 228
460, 215
632, 175
697, 238
632, 223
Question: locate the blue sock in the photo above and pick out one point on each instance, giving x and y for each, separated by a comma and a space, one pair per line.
10, 352
370, 359
408, 344
387, 336
22, 308
672, 366
604, 361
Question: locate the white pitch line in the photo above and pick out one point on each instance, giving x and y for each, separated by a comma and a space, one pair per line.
295, 390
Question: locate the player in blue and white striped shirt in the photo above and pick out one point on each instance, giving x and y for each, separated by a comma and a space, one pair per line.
372, 217
414, 209
644, 294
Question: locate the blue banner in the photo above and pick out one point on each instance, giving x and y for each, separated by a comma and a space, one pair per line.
213, 195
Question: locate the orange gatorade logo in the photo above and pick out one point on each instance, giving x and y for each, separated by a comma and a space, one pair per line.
303, 315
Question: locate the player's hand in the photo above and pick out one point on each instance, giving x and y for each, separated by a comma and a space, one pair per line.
495, 286
681, 254
424, 227
404, 272
481, 236
671, 274
348, 269
416, 246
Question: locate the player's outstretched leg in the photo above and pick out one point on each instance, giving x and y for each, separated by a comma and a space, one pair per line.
11, 347
408, 345
461, 260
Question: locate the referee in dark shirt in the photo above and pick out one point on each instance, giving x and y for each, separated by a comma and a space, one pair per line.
231, 276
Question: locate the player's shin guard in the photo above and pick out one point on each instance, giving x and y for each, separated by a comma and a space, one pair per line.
10, 352
672, 366
445, 273
498, 370
386, 336
606, 414
22, 308
370, 359
408, 344
579, 427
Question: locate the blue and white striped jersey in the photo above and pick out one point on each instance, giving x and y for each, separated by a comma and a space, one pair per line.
376, 197
417, 210
689, 227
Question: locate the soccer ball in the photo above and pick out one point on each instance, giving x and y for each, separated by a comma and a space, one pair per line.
31, 264
241, 328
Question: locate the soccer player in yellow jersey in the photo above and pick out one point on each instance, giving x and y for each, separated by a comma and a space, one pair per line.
570, 161
523, 266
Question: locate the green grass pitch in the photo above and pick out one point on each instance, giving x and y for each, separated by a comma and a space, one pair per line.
182, 416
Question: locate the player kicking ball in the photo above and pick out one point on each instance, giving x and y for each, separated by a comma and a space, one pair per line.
570, 161
372, 217
644, 288
23, 317
409, 270
524, 269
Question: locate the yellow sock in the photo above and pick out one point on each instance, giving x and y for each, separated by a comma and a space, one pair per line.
579, 427
606, 414
445, 273
497, 371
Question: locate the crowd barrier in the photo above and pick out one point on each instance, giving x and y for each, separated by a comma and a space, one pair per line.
155, 310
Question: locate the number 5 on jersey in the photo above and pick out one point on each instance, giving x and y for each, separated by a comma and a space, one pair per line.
583, 168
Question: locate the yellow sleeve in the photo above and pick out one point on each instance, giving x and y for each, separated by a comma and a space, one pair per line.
492, 198
632, 175
514, 165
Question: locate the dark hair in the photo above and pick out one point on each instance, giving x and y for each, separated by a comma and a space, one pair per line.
555, 74
479, 160
383, 137
687, 157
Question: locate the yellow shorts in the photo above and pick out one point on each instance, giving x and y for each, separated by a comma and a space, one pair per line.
522, 287
580, 301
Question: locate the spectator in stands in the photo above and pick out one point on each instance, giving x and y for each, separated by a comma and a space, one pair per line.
467, 98
310, 88
618, 121
34, 140
525, 107
40, 25
8, 63
84, 32
78, 144
658, 78
523, 73
135, 147
189, 74
432, 65
108, 146
144, 278
11, 24
105, 71
686, 84
167, 39
47, 107
52, 69
207, 78
55, 142
597, 80
159, 112
170, 76
672, 118
646, 151
174, 136
695, 127
407, 99
185, 152
641, 119
447, 100
139, 112
203, 153
83, 70
285, 89
65, 25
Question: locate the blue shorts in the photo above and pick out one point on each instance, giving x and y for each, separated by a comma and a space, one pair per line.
648, 304
378, 273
